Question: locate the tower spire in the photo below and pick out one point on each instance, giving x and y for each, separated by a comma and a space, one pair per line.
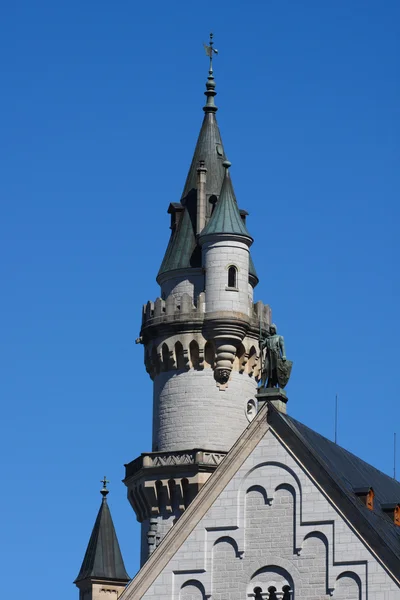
103, 566
210, 84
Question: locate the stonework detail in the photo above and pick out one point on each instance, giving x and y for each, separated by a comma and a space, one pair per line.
272, 534
179, 336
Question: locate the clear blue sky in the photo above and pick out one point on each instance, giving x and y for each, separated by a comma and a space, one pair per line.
100, 109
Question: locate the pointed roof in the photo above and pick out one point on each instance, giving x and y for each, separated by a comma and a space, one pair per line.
337, 472
183, 251
103, 558
226, 218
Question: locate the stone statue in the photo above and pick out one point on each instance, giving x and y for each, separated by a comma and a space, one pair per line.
276, 368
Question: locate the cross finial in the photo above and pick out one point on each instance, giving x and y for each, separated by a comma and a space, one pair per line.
210, 51
104, 491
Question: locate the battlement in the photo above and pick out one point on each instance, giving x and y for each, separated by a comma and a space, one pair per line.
183, 309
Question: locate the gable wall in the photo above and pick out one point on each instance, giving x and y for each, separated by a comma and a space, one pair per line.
271, 526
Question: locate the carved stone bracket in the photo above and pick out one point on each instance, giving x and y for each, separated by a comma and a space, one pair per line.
166, 482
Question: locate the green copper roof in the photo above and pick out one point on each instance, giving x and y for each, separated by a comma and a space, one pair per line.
103, 558
183, 251
226, 216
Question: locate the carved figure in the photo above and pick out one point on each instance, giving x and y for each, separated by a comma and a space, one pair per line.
276, 368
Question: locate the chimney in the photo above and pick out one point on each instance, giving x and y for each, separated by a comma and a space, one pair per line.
201, 197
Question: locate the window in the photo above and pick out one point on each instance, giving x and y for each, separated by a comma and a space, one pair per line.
232, 277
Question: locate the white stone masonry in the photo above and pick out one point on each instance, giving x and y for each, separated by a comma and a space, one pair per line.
272, 532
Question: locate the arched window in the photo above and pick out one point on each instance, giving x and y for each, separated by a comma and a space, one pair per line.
232, 277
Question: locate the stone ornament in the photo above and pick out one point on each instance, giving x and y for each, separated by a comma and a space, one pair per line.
251, 409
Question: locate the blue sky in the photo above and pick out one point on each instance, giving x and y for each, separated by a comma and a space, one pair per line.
100, 109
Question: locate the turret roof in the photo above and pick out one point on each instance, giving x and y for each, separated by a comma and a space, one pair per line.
183, 251
103, 558
226, 218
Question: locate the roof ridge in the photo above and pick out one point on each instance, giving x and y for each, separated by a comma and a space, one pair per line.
295, 421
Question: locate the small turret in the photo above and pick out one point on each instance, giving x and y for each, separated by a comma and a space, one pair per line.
225, 245
103, 571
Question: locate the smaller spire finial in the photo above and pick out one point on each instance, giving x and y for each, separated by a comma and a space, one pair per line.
104, 491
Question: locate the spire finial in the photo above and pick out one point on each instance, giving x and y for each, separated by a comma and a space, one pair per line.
210, 84
104, 491
210, 51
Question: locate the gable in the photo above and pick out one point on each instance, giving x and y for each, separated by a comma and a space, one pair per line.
269, 526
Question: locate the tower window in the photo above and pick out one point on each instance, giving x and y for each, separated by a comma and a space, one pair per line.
232, 277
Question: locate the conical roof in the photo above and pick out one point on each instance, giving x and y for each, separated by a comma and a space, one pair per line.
103, 558
183, 250
226, 218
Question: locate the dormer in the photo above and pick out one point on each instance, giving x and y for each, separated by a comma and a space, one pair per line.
366, 495
393, 511
175, 209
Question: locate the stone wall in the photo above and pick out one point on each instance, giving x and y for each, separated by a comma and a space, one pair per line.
218, 256
191, 412
272, 533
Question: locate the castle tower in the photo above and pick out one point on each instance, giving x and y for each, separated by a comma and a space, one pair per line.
200, 338
102, 573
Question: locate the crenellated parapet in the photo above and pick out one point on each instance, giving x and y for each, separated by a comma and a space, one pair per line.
183, 309
179, 335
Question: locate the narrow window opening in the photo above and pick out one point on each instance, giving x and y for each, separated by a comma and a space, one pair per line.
232, 277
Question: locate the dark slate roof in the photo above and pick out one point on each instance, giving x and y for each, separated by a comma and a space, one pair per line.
226, 216
340, 473
103, 558
209, 148
183, 252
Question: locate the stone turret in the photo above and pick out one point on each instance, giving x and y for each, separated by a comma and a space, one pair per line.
201, 341
225, 245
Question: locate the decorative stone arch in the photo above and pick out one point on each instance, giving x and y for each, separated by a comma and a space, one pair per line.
348, 586
180, 360
318, 535
252, 362
240, 359
166, 357
192, 590
227, 539
194, 352
271, 582
244, 485
209, 354
260, 490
